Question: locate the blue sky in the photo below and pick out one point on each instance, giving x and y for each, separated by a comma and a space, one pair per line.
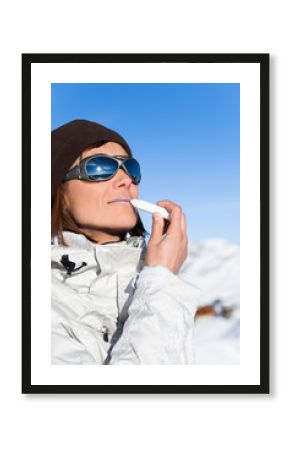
186, 138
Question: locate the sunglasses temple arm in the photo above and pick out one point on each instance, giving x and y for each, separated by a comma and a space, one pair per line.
73, 174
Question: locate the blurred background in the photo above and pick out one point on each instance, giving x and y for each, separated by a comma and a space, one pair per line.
187, 140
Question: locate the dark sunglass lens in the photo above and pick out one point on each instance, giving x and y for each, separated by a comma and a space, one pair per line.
134, 170
101, 168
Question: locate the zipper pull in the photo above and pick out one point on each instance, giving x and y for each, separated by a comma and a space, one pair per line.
105, 332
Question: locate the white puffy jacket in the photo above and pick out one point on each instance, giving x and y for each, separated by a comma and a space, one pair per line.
108, 308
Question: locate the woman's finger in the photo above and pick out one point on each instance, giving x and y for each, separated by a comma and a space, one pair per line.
174, 227
183, 224
167, 204
175, 216
157, 227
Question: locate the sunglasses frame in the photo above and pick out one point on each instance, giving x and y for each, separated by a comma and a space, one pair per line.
79, 171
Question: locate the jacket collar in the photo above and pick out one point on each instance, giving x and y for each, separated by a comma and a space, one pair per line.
82, 242
122, 255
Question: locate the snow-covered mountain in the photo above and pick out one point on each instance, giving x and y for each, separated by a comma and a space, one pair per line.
214, 266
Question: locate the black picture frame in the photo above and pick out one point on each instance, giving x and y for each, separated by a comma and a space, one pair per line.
259, 58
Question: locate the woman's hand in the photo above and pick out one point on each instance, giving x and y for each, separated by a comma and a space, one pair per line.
170, 250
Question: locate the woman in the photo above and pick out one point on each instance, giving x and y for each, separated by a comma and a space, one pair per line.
116, 295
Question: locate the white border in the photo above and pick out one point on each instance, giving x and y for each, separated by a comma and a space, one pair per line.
248, 75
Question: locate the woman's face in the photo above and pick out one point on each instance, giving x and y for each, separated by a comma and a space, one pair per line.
90, 203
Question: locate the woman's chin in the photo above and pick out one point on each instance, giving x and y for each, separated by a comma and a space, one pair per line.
125, 225
120, 225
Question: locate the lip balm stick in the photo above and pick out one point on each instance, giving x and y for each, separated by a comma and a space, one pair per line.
150, 207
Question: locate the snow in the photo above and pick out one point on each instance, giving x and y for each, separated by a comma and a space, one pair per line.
214, 266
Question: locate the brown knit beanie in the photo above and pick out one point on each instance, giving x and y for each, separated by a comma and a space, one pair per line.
71, 139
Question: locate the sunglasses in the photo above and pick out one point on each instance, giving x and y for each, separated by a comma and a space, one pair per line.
102, 167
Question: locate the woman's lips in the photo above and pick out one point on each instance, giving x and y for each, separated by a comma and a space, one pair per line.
120, 201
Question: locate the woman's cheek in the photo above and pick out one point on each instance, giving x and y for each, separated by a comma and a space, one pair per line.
88, 209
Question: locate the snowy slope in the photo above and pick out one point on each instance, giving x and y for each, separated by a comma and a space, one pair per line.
214, 266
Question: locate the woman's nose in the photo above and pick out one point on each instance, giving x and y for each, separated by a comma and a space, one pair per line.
122, 178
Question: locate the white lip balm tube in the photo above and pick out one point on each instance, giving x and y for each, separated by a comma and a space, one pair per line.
150, 207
